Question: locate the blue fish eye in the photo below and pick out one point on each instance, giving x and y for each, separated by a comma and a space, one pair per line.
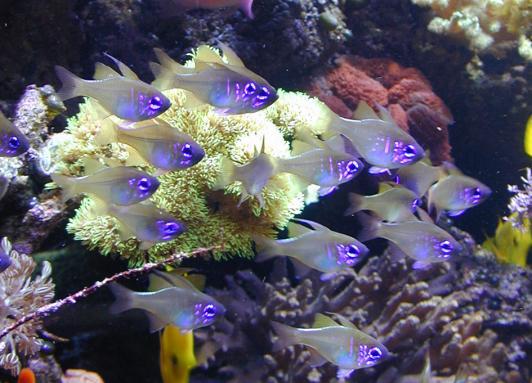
410, 151
250, 88
353, 251
477, 192
144, 184
155, 103
264, 93
446, 247
170, 228
13, 142
209, 311
375, 353
352, 167
187, 150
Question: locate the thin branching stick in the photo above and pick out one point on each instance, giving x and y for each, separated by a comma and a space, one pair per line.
48, 309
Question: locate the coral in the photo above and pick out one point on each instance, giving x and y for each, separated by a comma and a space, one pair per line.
211, 216
21, 295
404, 91
475, 315
483, 23
520, 205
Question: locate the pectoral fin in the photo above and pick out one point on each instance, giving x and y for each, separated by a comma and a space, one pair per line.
316, 360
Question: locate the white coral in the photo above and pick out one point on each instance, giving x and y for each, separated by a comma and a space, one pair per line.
19, 296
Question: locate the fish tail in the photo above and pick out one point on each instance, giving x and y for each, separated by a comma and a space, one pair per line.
72, 84
246, 7
356, 203
286, 336
370, 227
266, 248
164, 78
125, 299
226, 174
66, 183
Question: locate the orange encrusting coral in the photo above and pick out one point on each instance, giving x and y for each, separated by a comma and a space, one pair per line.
406, 92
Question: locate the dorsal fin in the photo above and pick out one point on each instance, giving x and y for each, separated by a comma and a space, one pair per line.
168, 63
158, 282
296, 230
164, 77
384, 186
321, 320
102, 72
124, 69
345, 322
451, 168
206, 54
364, 111
314, 225
230, 56
385, 115
92, 165
299, 147
175, 279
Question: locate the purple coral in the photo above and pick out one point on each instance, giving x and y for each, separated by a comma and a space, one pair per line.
520, 205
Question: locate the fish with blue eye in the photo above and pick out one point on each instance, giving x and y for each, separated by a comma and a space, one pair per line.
146, 223
455, 194
341, 344
157, 143
122, 185
180, 304
121, 94
13, 142
226, 85
321, 248
422, 241
378, 140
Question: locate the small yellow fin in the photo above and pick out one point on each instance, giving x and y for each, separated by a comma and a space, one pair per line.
321, 320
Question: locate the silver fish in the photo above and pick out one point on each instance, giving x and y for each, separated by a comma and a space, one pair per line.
392, 205
122, 185
157, 142
124, 96
230, 87
321, 249
12, 141
341, 344
379, 141
422, 241
147, 223
180, 304
456, 193
419, 177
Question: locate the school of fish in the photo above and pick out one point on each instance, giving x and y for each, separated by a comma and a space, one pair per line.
402, 212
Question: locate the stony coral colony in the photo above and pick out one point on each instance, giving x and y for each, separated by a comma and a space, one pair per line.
261, 156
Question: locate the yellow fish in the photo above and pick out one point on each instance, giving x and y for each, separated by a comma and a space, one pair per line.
176, 358
528, 137
509, 244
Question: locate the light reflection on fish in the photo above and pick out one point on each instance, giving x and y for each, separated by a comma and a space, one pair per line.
180, 304
321, 249
122, 185
422, 241
124, 96
157, 142
13, 142
230, 87
339, 343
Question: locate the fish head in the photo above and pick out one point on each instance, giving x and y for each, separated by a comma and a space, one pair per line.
149, 103
138, 187
472, 192
182, 153
188, 153
405, 150
207, 310
13, 142
370, 352
350, 253
444, 247
349, 169
168, 228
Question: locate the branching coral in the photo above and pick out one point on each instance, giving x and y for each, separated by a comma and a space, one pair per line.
20, 295
211, 216
474, 315
483, 22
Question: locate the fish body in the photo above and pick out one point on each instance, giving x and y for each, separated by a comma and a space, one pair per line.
422, 241
419, 177
157, 143
125, 97
381, 143
122, 185
5, 260
176, 357
172, 7
528, 136
392, 205
147, 223
341, 344
13, 142
26, 376
511, 244
322, 167
321, 249
456, 193
230, 88
183, 306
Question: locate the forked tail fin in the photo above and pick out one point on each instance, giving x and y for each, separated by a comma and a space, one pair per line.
286, 336
72, 84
